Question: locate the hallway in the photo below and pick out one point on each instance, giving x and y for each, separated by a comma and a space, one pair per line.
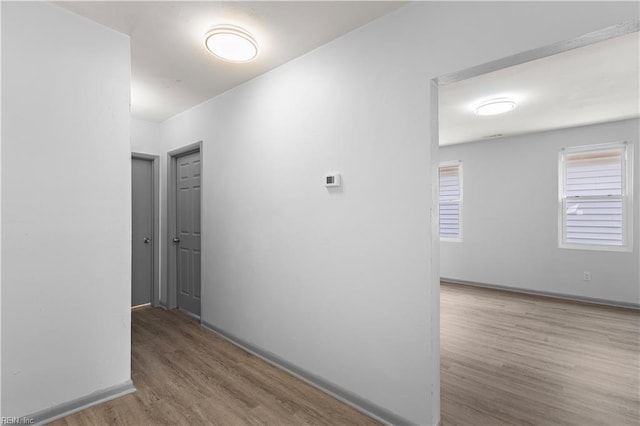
185, 375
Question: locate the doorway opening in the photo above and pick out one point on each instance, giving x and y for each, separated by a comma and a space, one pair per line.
507, 183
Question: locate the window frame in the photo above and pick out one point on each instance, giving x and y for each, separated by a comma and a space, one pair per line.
459, 201
626, 196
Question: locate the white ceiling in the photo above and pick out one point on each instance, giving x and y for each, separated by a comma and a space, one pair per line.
592, 84
172, 71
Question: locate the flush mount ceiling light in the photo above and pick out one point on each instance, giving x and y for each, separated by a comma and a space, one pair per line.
495, 106
231, 43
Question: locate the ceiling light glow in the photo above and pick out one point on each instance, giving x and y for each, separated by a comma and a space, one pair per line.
231, 43
495, 106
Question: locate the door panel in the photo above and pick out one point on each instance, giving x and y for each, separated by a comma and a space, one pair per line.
188, 226
195, 199
183, 206
184, 268
196, 272
141, 231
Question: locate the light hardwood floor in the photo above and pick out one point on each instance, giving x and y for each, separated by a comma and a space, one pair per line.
517, 359
185, 375
507, 359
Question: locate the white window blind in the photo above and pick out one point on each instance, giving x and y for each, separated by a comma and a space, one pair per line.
451, 201
594, 197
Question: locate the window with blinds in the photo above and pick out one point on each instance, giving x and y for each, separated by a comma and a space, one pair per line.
451, 201
594, 197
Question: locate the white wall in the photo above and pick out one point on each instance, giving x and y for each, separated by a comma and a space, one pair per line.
340, 283
0, 218
146, 137
65, 207
510, 222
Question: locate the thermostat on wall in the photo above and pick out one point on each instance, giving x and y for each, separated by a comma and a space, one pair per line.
332, 180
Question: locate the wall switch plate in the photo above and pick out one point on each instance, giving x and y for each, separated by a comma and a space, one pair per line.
587, 276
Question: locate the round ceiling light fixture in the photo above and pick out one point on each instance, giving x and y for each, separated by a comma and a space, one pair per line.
495, 106
231, 43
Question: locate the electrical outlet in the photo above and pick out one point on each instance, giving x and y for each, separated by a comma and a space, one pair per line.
587, 276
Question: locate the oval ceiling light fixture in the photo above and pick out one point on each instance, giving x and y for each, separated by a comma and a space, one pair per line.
495, 106
231, 43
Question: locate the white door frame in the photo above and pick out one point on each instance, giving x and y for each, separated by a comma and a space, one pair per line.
155, 226
172, 251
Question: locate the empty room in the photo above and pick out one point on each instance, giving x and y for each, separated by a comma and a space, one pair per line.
539, 319
315, 212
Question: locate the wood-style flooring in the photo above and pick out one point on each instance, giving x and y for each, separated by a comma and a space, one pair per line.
185, 375
518, 359
506, 359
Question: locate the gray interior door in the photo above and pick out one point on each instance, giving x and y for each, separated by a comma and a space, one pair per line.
188, 227
141, 231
